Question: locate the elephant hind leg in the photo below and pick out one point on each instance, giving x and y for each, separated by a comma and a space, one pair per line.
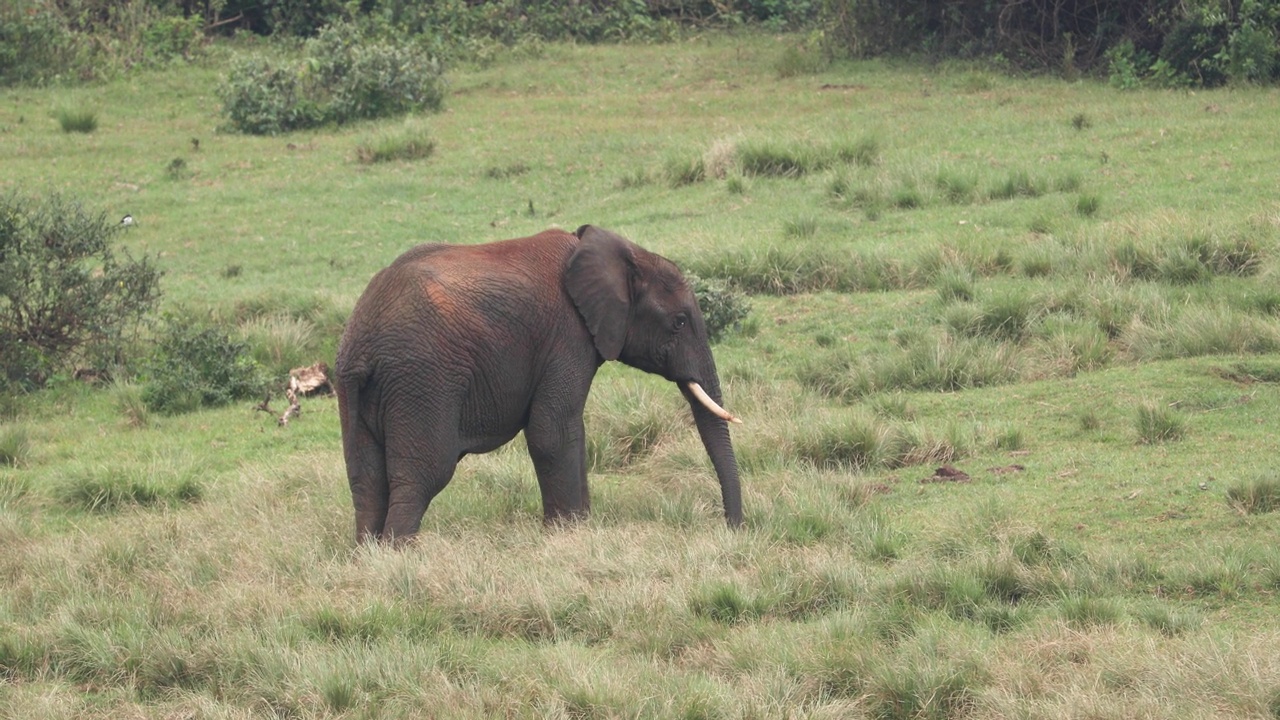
414, 479
367, 475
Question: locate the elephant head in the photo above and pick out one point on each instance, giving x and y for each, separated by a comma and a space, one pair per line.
640, 310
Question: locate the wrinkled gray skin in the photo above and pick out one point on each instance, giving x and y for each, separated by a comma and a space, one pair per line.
453, 350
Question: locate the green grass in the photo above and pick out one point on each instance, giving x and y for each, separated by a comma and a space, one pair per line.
411, 142
76, 119
1019, 310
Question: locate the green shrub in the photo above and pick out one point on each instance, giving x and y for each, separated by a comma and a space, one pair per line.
35, 45
170, 37
64, 295
361, 78
196, 366
265, 97
723, 308
345, 76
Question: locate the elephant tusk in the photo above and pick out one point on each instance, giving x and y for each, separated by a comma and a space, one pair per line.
710, 404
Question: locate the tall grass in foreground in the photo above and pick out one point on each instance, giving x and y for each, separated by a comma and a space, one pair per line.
15, 445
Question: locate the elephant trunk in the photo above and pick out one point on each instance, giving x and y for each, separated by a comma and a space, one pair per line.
713, 427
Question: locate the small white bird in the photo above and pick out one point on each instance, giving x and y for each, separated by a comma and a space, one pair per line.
126, 220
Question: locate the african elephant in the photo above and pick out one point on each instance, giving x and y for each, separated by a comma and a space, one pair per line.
453, 350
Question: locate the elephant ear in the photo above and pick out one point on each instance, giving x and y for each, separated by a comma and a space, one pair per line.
598, 279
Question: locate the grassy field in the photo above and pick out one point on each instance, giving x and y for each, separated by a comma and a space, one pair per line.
1070, 294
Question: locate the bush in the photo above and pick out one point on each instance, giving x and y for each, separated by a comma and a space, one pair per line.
365, 78
723, 308
64, 295
198, 366
35, 45
345, 76
262, 97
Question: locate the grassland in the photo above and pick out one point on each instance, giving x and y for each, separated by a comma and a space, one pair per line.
1066, 292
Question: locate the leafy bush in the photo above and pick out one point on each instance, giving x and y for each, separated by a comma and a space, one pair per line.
263, 97
723, 308
64, 295
35, 45
198, 366
345, 76
360, 77
1165, 43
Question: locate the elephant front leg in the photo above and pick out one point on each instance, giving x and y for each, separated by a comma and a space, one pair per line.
559, 452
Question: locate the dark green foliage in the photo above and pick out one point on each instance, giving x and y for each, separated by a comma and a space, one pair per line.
264, 97
196, 366
65, 297
723, 308
1167, 43
345, 76
35, 43
42, 42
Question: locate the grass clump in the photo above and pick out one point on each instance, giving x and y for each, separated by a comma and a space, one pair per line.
860, 443
684, 171
797, 60
1256, 496
111, 490
1017, 184
15, 445
954, 285
801, 227
957, 187
864, 152
76, 120
1088, 204
1157, 424
280, 342
724, 603
775, 160
409, 143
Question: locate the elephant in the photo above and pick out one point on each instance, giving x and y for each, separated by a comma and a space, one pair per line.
454, 349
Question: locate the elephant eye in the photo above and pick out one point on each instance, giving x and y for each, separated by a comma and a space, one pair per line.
679, 321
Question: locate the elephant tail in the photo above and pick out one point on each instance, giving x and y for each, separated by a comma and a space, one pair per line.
351, 378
